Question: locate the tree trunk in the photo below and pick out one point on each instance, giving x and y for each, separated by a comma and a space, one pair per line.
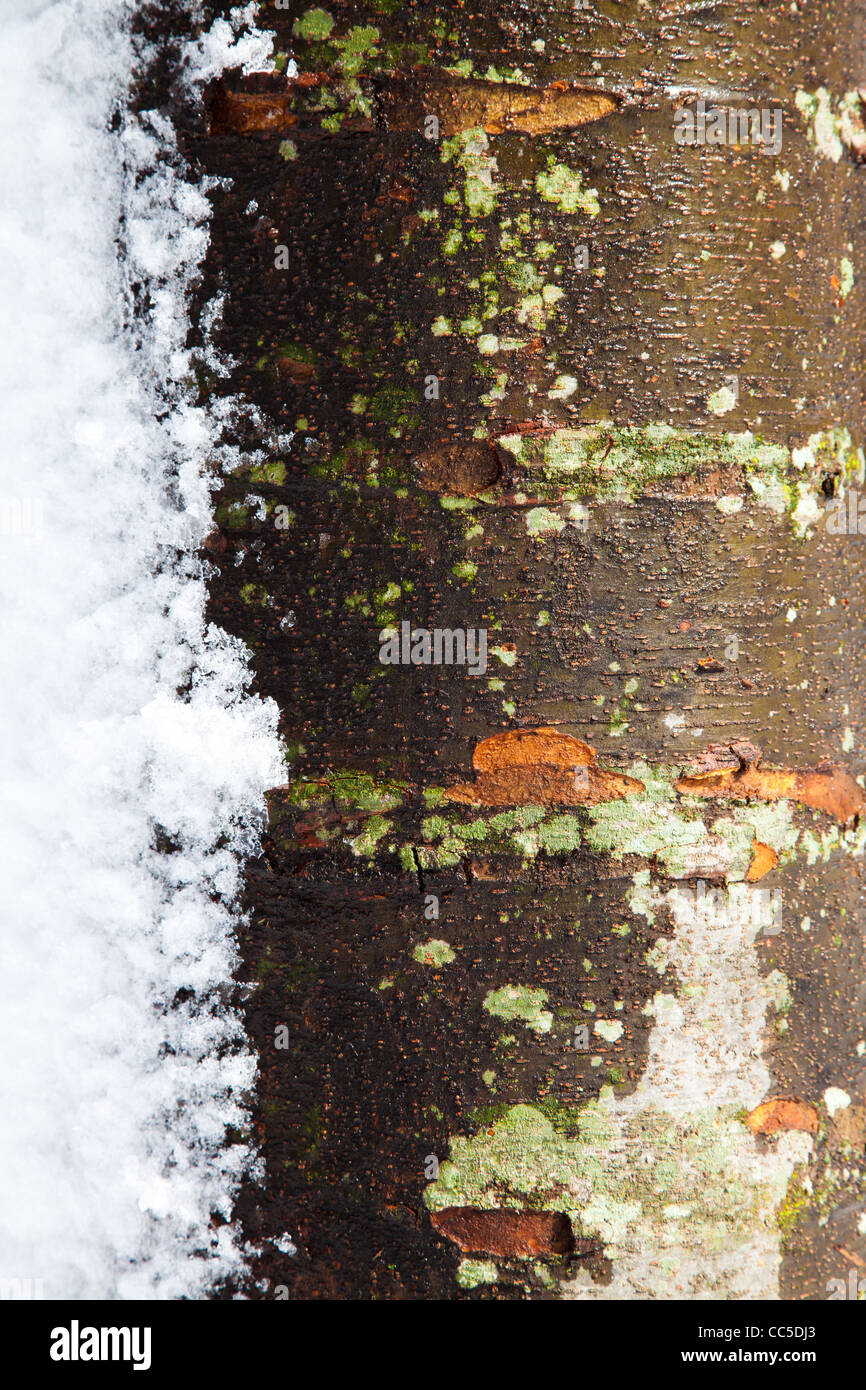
538, 939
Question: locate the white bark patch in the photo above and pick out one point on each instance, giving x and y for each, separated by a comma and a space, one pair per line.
712, 1233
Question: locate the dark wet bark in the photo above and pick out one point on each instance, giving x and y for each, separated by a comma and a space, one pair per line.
646, 622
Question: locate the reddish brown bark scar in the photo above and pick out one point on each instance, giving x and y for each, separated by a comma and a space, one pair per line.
519, 1234
734, 770
259, 102
773, 1115
464, 469
541, 767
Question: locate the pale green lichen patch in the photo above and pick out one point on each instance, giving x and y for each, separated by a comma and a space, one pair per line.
464, 569
668, 1178
449, 838
673, 1181
817, 112
681, 835
518, 1003
659, 824
563, 387
356, 49
846, 277
609, 1029
721, 401
564, 186
656, 824
603, 462
434, 952
540, 520
831, 127
469, 150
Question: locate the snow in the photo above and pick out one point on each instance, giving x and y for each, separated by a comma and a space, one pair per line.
121, 711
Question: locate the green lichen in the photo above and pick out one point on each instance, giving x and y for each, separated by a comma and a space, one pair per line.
366, 844
254, 595
608, 1029
233, 515
274, 472
605, 462
681, 834
641, 1181
434, 952
721, 401
540, 520
558, 835
359, 791
464, 569
846, 277
659, 824
830, 127
315, 24
564, 186
469, 150
347, 790
359, 39
519, 1003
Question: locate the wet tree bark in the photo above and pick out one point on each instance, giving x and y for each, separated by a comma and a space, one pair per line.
533, 939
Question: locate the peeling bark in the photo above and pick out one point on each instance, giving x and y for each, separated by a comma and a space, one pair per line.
828, 788
539, 767
773, 1115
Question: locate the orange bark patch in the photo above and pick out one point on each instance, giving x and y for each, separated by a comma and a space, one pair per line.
764, 858
541, 767
499, 106
519, 1234
773, 1115
827, 787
